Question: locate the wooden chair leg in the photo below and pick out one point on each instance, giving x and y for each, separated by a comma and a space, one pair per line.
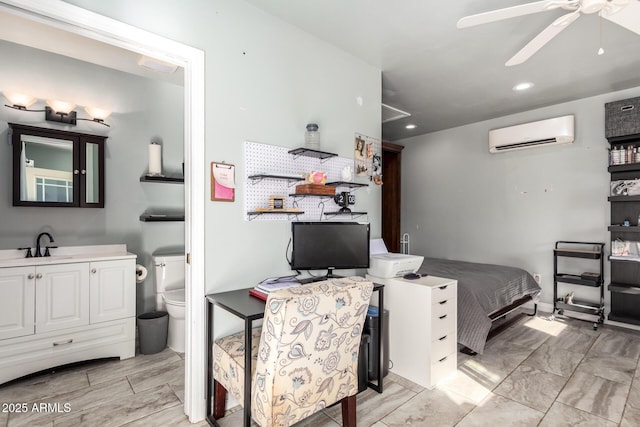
349, 411
220, 403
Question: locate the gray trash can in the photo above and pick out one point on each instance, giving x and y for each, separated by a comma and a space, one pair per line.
152, 331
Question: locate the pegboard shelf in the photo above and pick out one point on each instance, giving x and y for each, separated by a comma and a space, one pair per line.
302, 196
352, 214
308, 152
348, 184
260, 177
255, 214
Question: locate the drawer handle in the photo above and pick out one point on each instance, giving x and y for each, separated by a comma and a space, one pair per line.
443, 287
31, 276
443, 338
626, 108
69, 341
442, 317
443, 359
443, 302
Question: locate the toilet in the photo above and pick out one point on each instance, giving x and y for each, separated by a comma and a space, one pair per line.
169, 279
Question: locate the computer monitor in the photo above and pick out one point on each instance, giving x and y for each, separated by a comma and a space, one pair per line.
329, 245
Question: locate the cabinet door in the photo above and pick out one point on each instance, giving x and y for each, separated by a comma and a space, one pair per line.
62, 296
113, 290
17, 291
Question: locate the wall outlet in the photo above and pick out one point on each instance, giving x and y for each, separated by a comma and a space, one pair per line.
538, 278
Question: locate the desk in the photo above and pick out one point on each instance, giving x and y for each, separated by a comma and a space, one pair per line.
250, 308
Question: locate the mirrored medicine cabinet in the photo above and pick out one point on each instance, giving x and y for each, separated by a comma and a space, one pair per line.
56, 168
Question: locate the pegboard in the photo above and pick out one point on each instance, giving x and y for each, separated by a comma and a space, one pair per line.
264, 159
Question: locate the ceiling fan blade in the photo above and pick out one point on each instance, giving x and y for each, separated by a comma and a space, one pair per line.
628, 17
510, 12
543, 38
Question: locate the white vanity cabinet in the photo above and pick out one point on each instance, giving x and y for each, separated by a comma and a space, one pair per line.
17, 296
422, 327
79, 305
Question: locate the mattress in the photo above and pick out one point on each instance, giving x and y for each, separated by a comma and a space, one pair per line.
482, 289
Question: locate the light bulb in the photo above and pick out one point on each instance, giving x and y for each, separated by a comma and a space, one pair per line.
19, 99
61, 107
97, 113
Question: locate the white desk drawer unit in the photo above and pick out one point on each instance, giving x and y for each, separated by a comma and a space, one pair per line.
422, 327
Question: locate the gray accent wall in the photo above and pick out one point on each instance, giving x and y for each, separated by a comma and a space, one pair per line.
143, 110
461, 202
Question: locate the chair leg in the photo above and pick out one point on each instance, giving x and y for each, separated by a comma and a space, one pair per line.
349, 411
220, 403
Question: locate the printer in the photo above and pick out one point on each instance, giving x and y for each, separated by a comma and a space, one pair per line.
387, 265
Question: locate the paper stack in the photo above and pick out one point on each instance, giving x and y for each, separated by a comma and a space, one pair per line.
263, 288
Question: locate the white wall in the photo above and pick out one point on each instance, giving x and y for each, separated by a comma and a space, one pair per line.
460, 202
265, 81
140, 113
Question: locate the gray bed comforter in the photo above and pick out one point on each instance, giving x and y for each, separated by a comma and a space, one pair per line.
482, 289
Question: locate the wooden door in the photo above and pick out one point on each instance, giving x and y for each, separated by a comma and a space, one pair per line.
391, 171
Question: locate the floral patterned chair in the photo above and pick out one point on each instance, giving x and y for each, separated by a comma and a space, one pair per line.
305, 355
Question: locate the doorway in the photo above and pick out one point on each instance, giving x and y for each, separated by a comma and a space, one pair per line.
391, 194
75, 20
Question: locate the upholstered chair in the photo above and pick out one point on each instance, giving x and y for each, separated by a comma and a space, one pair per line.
304, 356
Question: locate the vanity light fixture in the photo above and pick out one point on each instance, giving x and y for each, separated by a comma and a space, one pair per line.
55, 111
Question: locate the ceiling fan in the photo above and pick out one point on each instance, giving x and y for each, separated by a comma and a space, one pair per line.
607, 9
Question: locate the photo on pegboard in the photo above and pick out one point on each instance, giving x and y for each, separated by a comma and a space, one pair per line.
367, 157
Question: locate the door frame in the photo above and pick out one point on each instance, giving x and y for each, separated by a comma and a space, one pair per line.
65, 16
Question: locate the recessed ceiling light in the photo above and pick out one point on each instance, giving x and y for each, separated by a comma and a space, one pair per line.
523, 86
410, 126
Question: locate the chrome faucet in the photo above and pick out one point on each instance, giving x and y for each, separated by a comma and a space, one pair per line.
38, 252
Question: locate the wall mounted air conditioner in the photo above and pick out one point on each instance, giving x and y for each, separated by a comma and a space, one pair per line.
559, 130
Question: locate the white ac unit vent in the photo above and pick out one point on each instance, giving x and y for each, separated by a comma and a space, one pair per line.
559, 130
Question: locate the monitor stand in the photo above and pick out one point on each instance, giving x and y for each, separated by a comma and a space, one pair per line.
329, 275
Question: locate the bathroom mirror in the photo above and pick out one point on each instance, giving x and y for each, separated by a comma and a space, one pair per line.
57, 168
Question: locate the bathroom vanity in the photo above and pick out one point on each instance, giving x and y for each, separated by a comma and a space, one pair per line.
77, 304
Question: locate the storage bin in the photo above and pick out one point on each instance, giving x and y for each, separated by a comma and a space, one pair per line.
622, 118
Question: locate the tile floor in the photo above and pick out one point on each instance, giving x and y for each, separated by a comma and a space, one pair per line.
536, 373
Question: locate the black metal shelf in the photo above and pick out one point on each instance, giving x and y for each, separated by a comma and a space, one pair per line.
161, 217
260, 177
624, 288
164, 179
352, 214
254, 214
577, 280
623, 319
623, 259
348, 184
302, 196
623, 229
308, 152
624, 198
581, 307
576, 253
629, 167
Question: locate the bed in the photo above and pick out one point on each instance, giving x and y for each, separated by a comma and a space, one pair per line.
486, 292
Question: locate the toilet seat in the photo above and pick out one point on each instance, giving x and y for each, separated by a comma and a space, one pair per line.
174, 297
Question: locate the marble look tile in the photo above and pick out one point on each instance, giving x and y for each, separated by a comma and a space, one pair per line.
173, 416
561, 415
122, 368
432, 408
43, 386
614, 368
169, 373
527, 333
4, 416
78, 400
531, 387
631, 417
496, 410
634, 394
617, 344
470, 382
372, 406
123, 410
574, 339
555, 360
393, 377
595, 395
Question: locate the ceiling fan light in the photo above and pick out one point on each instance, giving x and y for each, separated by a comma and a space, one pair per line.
523, 86
61, 107
19, 99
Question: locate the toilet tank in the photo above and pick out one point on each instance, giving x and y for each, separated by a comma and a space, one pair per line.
169, 271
